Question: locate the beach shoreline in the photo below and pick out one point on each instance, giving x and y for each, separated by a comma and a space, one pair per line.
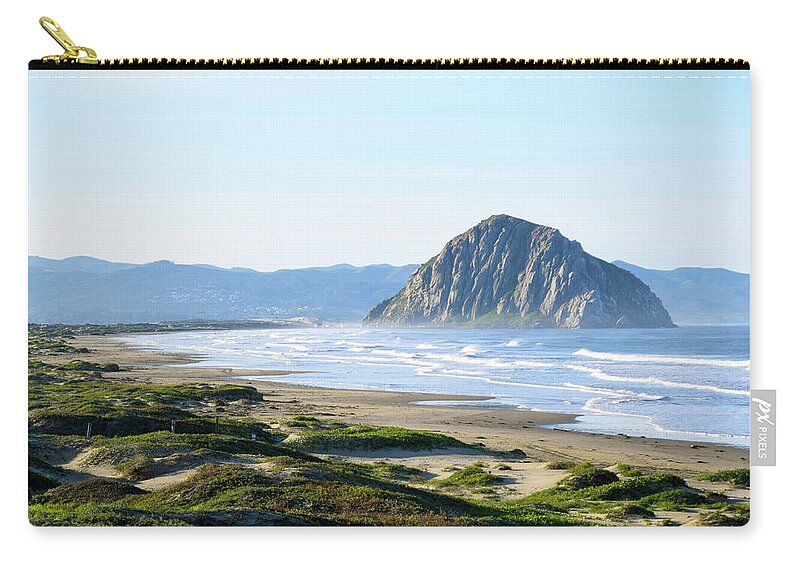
496, 428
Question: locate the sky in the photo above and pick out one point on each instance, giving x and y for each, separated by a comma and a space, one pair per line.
286, 169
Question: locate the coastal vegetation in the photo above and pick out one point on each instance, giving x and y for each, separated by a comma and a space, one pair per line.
637, 497
560, 465
628, 470
587, 475
736, 477
470, 477
373, 438
108, 449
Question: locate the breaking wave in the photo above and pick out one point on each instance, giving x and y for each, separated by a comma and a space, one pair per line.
600, 375
658, 381
653, 358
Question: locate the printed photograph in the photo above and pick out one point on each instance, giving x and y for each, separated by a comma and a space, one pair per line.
389, 297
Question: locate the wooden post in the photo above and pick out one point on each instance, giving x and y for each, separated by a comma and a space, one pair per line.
88, 430
172, 426
217, 425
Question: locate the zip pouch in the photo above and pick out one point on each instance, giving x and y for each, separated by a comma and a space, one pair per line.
388, 292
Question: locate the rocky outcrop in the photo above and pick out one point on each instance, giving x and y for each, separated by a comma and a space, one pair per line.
509, 272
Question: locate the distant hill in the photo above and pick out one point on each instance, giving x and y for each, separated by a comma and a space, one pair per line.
696, 295
510, 272
90, 290
78, 263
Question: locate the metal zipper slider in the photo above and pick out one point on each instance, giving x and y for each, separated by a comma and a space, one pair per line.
72, 53
77, 55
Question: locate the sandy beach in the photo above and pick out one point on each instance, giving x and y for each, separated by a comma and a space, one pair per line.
498, 429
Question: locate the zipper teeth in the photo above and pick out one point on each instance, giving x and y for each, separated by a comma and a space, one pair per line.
390, 63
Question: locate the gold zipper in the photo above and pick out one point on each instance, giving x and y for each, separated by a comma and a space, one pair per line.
72, 53
79, 56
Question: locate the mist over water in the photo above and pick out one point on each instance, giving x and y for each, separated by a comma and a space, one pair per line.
686, 383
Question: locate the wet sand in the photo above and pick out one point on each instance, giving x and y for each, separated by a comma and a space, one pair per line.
497, 429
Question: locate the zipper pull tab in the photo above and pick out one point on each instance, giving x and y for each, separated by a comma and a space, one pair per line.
72, 53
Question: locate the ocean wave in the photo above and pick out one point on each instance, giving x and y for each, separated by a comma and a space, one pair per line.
569, 387
653, 358
395, 353
302, 340
531, 364
591, 406
357, 344
471, 360
343, 358
225, 340
566, 378
624, 395
293, 346
354, 332
449, 373
600, 375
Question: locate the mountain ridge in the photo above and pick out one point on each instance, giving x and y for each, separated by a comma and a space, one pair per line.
691, 295
89, 290
699, 295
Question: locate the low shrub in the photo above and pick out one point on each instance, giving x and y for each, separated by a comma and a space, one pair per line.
398, 472
470, 476
372, 438
560, 465
729, 515
91, 490
628, 470
629, 511
677, 499
587, 475
737, 477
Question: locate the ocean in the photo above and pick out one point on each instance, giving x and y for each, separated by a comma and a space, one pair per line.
690, 382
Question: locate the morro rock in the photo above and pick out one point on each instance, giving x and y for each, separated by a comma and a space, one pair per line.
509, 272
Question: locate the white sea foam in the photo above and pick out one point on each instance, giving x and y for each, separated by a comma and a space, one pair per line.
569, 387
295, 347
357, 344
591, 406
471, 360
531, 364
600, 375
450, 373
224, 340
395, 353
658, 359
625, 395
306, 340
513, 370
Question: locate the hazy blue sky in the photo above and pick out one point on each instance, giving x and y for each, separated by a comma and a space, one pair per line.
290, 169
